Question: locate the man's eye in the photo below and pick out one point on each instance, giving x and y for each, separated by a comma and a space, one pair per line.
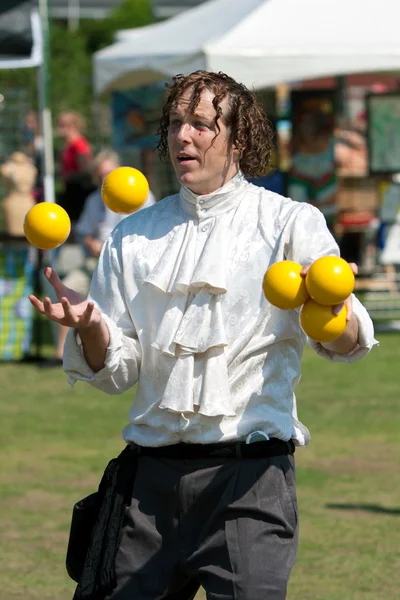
174, 123
201, 125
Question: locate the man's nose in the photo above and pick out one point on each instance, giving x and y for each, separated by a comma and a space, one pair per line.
183, 133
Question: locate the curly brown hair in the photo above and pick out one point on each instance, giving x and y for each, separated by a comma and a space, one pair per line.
249, 128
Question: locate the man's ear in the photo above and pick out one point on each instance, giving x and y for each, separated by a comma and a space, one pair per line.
238, 146
238, 150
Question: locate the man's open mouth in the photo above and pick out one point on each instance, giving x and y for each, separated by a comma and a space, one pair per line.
185, 158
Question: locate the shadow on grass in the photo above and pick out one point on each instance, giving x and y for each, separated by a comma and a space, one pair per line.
366, 507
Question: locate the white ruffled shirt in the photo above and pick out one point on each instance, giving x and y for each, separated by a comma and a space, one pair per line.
180, 287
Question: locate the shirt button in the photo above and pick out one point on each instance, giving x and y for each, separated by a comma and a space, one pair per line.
201, 201
205, 228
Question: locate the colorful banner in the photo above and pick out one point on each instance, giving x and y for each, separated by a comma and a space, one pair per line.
16, 313
136, 116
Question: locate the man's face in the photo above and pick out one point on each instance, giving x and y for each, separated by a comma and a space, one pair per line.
202, 163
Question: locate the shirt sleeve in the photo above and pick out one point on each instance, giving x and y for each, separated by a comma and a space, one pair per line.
366, 339
123, 358
309, 238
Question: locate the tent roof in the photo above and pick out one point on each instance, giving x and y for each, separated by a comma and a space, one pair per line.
148, 54
259, 42
20, 34
333, 37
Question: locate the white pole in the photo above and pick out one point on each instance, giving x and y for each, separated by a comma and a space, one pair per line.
73, 14
44, 108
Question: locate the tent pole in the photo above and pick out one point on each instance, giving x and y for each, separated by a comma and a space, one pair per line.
43, 77
44, 108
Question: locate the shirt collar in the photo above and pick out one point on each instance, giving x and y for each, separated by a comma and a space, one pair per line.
218, 202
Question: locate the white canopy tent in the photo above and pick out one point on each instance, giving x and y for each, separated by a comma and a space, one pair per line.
259, 42
35, 58
29, 18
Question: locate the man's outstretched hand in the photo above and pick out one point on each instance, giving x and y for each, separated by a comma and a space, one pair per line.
72, 310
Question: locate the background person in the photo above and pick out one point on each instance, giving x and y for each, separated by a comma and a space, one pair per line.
76, 157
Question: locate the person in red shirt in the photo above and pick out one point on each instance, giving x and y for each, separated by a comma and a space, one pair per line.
75, 163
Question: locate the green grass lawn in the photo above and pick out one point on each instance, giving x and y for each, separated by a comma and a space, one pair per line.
56, 442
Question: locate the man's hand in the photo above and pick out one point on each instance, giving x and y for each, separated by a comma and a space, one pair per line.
348, 302
72, 310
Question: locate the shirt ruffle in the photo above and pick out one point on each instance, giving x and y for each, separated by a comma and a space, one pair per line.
193, 325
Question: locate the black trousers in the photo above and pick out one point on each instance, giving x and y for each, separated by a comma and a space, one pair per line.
228, 525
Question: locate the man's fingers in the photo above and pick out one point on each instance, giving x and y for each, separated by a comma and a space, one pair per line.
354, 268
87, 315
69, 315
36, 303
337, 308
49, 310
348, 303
349, 306
304, 270
54, 280
47, 306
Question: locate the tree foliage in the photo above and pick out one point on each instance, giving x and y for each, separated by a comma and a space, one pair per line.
129, 14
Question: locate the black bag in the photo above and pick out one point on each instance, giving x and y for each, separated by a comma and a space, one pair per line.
96, 529
84, 515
